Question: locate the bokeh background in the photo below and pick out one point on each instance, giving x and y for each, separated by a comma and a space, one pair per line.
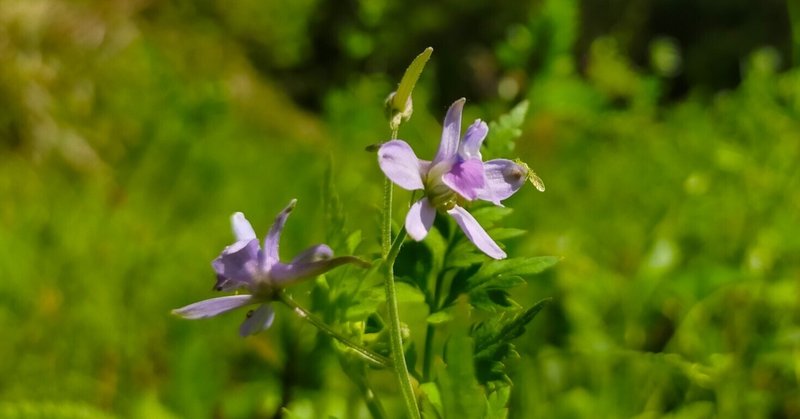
667, 133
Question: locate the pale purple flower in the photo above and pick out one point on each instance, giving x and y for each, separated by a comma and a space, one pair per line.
456, 174
245, 265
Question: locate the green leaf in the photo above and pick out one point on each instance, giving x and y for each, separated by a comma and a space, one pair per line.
497, 401
462, 397
488, 217
439, 317
431, 397
407, 293
522, 267
505, 131
409, 80
493, 342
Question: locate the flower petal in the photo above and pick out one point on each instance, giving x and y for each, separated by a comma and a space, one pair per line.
420, 219
236, 265
313, 254
466, 178
213, 306
242, 228
399, 163
285, 274
503, 179
257, 320
451, 132
272, 241
471, 145
475, 233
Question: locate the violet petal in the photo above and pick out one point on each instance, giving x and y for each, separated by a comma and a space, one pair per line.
466, 178
285, 274
475, 233
471, 145
503, 179
237, 264
272, 241
257, 320
420, 219
313, 254
242, 229
399, 163
451, 132
213, 306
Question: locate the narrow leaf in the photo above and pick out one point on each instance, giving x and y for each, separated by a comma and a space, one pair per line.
409, 80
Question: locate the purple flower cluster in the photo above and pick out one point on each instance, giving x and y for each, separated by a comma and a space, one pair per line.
259, 271
457, 174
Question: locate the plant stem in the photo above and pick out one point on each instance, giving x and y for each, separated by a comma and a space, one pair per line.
386, 225
395, 336
370, 356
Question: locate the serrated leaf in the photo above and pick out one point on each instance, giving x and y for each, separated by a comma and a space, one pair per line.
506, 233
488, 217
409, 80
439, 317
504, 132
496, 403
522, 267
493, 342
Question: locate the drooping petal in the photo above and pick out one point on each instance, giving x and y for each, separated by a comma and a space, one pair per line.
420, 219
470, 147
257, 320
451, 132
313, 254
475, 233
466, 178
272, 241
236, 265
285, 274
242, 229
503, 179
213, 307
399, 163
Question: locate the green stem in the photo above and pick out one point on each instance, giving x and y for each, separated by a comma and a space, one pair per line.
365, 353
386, 225
395, 336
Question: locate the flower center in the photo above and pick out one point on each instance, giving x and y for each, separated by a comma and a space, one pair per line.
440, 195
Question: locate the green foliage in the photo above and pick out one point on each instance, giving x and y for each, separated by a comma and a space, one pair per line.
129, 132
493, 342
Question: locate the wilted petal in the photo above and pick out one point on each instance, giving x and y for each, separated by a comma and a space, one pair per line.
503, 179
420, 219
285, 274
212, 307
237, 264
475, 233
466, 178
257, 320
272, 241
451, 132
399, 163
471, 145
313, 254
242, 228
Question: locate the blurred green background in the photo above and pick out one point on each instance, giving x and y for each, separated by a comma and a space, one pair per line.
667, 133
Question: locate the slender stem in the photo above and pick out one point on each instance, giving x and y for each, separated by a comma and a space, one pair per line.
386, 225
370, 356
395, 336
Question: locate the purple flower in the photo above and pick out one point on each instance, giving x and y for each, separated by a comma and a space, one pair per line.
456, 174
245, 265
